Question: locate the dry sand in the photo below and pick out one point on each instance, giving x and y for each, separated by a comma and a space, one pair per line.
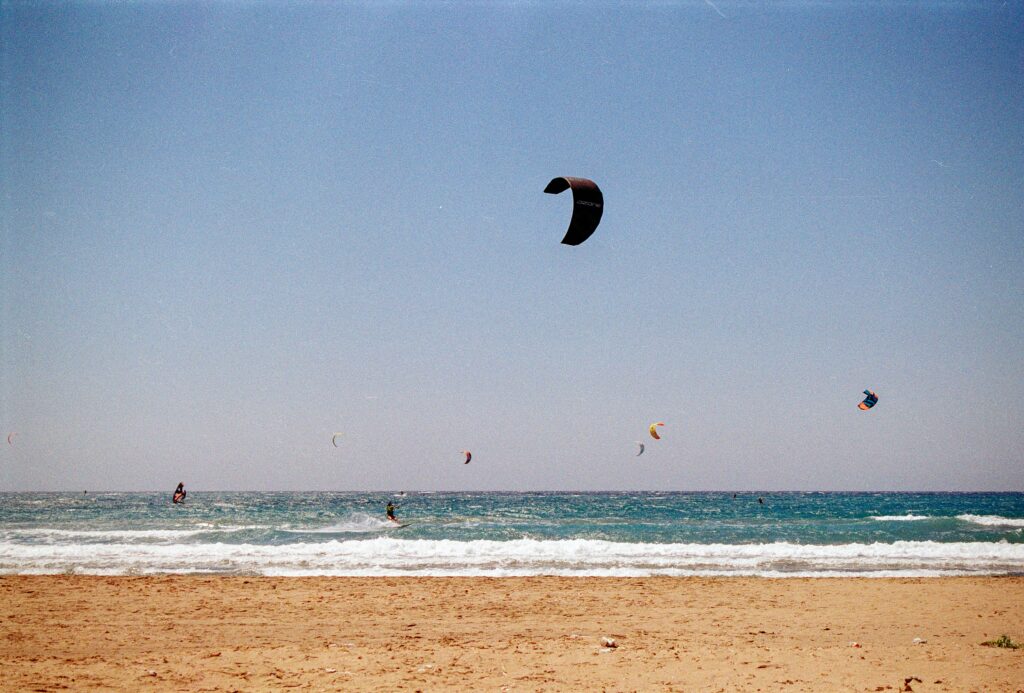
198, 633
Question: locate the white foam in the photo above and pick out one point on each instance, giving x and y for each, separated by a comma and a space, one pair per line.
900, 518
390, 556
118, 534
992, 520
357, 523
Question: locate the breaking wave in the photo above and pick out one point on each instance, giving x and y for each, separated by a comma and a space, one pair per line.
391, 556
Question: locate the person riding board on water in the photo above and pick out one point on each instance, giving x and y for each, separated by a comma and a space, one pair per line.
179, 493
390, 510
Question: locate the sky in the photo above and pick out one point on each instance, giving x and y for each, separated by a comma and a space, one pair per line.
232, 229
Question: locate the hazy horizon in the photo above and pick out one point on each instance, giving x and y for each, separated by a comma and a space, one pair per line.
393, 493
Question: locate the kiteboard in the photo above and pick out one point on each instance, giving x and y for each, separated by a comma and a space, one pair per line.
404, 524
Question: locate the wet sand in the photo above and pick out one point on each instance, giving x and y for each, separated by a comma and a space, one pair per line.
201, 633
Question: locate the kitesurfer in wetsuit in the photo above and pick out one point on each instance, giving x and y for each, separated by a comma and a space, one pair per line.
390, 510
179, 493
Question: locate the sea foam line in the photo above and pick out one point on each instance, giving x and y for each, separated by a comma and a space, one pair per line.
124, 534
388, 556
992, 520
900, 518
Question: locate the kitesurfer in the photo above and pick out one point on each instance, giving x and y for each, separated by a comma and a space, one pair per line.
390, 510
179, 493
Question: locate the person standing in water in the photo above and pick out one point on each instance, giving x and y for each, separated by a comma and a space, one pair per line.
179, 493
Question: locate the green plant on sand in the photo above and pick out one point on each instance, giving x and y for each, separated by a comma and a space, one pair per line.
1003, 641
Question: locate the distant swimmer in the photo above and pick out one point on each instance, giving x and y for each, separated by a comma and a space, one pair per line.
760, 501
390, 510
179, 493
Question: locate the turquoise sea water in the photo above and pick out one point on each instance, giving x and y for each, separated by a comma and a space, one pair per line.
515, 533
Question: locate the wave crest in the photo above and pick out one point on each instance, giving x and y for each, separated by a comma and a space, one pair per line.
992, 520
580, 557
900, 518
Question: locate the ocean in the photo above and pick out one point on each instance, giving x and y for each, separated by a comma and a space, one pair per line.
506, 534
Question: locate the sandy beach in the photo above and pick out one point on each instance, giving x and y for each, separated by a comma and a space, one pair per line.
202, 633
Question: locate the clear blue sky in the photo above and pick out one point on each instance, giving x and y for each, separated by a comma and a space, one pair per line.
232, 229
